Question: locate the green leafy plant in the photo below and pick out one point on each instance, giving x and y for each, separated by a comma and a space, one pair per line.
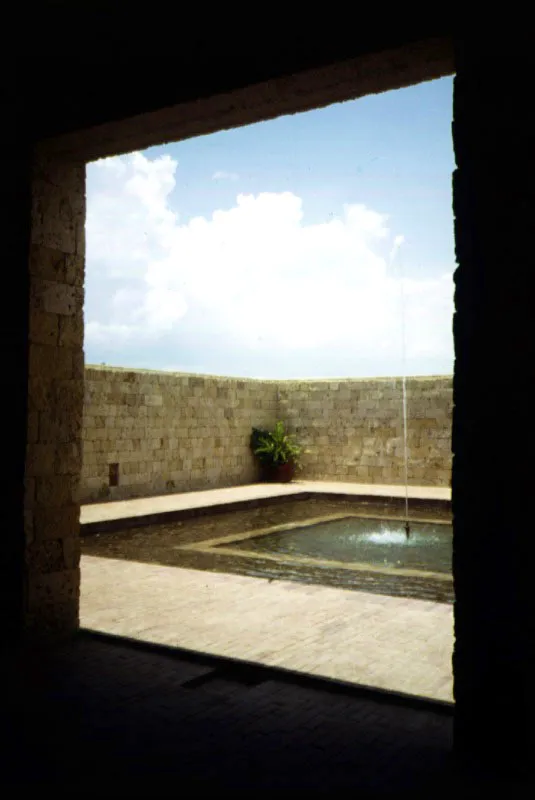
275, 447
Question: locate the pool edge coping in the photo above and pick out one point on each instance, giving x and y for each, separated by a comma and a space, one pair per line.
174, 515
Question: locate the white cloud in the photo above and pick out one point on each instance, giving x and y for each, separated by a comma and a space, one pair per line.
254, 277
221, 175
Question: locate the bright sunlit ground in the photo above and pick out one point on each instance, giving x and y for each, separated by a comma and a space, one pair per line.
399, 644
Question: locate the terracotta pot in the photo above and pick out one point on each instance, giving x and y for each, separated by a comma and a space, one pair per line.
280, 473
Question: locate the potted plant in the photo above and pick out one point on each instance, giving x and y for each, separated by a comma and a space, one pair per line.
277, 453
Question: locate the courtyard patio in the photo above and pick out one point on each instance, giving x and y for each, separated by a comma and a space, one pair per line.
391, 643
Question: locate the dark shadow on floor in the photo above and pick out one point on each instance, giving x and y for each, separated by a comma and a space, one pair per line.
102, 712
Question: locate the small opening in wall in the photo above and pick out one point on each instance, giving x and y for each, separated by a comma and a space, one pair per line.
114, 475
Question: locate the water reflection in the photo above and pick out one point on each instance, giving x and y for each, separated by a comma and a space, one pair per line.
356, 539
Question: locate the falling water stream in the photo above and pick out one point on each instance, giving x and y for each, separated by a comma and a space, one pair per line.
406, 457
404, 401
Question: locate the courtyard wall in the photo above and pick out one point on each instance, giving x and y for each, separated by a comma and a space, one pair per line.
157, 432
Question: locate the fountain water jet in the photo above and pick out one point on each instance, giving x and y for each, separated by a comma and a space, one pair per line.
398, 241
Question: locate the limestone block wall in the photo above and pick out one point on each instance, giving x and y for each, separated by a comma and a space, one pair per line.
169, 432
55, 399
151, 432
352, 430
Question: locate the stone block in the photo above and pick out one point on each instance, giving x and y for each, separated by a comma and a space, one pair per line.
71, 331
69, 397
47, 361
45, 557
44, 327
55, 298
92, 483
89, 435
55, 222
56, 523
60, 428
153, 400
56, 490
40, 459
53, 588
40, 393
74, 269
47, 263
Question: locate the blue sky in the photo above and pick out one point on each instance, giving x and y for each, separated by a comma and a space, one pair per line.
300, 247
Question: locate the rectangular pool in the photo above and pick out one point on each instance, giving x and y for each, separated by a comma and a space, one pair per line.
352, 539
329, 541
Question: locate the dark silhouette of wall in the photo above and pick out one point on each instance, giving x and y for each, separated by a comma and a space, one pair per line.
14, 373
494, 137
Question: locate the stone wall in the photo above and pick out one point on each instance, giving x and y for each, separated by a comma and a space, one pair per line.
55, 399
169, 432
174, 432
352, 429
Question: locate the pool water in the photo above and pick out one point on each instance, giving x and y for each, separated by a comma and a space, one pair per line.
380, 542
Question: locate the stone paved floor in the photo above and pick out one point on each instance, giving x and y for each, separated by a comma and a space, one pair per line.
121, 509
393, 643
